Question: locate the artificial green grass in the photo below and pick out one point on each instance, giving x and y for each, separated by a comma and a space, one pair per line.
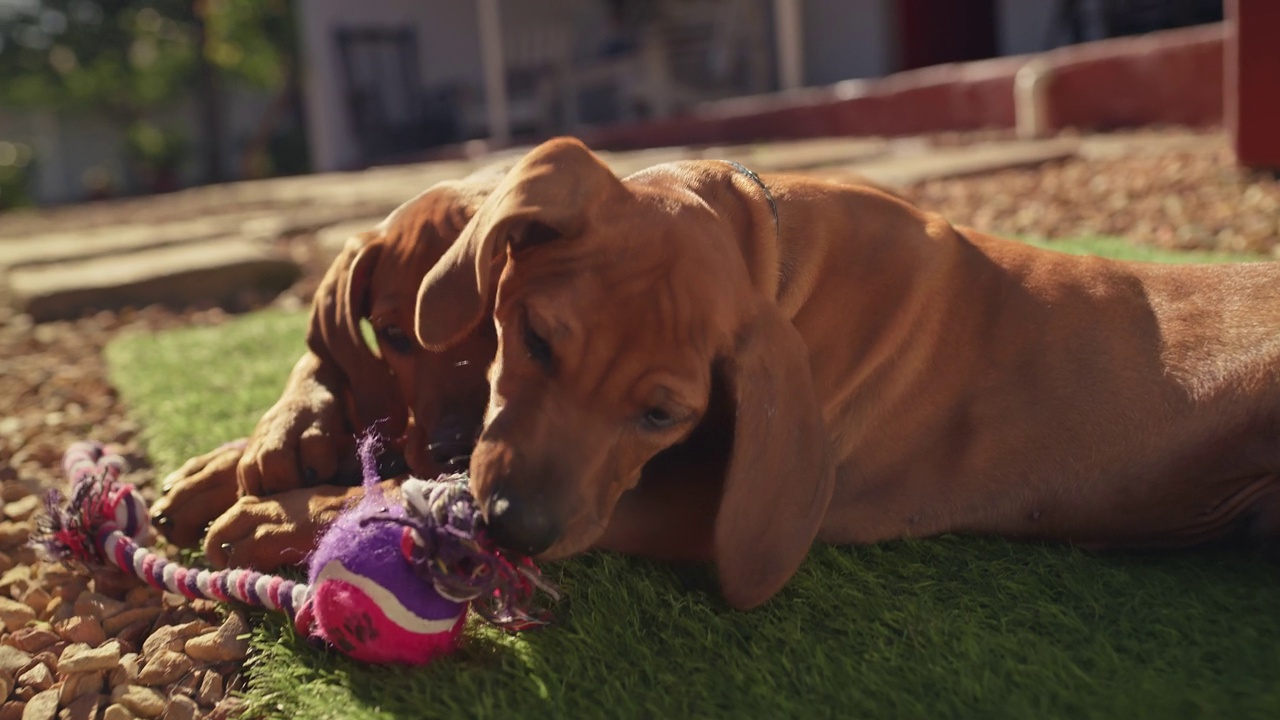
947, 627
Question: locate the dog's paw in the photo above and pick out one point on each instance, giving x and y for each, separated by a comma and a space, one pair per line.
196, 493
298, 443
269, 533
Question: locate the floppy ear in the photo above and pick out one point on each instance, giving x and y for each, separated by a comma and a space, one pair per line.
341, 301
546, 195
780, 474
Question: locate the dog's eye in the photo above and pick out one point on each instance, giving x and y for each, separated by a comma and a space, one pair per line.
655, 418
396, 339
539, 349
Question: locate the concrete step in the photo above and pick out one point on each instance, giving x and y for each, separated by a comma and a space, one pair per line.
901, 168
53, 247
213, 270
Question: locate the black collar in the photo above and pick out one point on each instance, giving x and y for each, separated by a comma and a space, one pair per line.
773, 206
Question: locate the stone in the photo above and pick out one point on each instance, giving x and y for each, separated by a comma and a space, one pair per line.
19, 577
44, 706
98, 605
62, 610
121, 620
12, 490
188, 685
140, 595
38, 599
133, 635
38, 677
165, 668
33, 638
22, 508
13, 660
210, 692
13, 534
75, 685
84, 629
84, 707
142, 701
112, 583
6, 684
230, 707
127, 672
172, 637
12, 710
117, 711
44, 657
185, 274
225, 643
180, 707
82, 658
15, 614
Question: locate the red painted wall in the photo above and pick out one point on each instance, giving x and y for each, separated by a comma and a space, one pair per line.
1173, 77
1253, 81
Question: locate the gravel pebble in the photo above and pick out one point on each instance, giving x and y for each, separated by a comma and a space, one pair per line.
82, 658
117, 711
127, 672
83, 629
98, 605
43, 706
165, 668
75, 685
142, 701
16, 579
225, 643
133, 635
172, 637
84, 707
38, 599
37, 677
33, 638
14, 614
12, 710
6, 684
210, 689
180, 707
13, 660
22, 508
115, 623
13, 534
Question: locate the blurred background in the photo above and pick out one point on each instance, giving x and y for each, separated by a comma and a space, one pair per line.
111, 98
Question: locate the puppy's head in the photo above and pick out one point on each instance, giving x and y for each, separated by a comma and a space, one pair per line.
431, 403
620, 306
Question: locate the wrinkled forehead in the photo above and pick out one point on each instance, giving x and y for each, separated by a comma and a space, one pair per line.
655, 258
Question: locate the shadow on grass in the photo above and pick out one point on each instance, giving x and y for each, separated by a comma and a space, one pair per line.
945, 627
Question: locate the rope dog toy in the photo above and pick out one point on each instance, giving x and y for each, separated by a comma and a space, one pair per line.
389, 582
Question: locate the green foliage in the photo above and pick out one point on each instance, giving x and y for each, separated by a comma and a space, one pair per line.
125, 57
940, 628
15, 171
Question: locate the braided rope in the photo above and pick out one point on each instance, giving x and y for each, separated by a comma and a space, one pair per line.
112, 515
443, 538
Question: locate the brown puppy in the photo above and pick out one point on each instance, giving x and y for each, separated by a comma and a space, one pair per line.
696, 361
294, 473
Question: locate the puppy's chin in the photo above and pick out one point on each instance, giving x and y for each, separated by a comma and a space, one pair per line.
578, 539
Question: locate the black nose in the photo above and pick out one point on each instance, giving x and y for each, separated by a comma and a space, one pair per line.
521, 527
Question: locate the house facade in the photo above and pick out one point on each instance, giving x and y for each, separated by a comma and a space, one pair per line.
386, 78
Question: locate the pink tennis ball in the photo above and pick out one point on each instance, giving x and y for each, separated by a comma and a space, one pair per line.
366, 599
